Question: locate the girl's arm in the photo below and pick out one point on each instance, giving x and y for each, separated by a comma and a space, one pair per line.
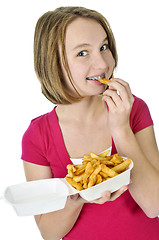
55, 225
141, 148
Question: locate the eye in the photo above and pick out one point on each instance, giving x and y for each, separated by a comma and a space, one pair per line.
104, 47
82, 54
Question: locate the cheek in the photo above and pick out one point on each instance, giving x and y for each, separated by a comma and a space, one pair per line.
77, 71
112, 65
111, 59
67, 82
111, 62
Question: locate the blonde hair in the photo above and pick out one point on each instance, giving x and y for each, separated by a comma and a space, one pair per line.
50, 32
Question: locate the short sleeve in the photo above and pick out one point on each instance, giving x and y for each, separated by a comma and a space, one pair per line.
33, 147
140, 117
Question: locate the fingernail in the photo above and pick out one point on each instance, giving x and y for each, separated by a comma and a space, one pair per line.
108, 195
124, 189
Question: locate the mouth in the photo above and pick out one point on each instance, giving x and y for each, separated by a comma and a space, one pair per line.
96, 77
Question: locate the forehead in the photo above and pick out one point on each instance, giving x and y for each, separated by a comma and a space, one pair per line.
84, 30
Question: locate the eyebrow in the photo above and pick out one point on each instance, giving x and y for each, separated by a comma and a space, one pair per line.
87, 44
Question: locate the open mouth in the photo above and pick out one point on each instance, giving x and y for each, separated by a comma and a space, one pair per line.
97, 77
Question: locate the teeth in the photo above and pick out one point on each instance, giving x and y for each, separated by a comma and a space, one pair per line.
96, 78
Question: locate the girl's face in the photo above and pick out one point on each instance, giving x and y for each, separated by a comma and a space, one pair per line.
88, 56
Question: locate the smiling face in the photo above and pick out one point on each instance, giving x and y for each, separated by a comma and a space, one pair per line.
88, 56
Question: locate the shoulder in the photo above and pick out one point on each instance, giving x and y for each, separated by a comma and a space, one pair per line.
138, 102
39, 126
140, 116
42, 120
35, 127
36, 140
139, 106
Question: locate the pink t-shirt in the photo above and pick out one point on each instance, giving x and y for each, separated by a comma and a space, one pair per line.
43, 144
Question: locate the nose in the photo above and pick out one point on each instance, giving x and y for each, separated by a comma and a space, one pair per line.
98, 61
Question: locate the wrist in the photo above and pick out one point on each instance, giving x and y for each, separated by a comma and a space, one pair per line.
125, 141
122, 132
74, 202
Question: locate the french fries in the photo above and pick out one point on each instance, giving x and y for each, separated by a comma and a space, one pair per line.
103, 80
95, 168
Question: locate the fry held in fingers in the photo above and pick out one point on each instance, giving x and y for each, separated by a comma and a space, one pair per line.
95, 169
104, 80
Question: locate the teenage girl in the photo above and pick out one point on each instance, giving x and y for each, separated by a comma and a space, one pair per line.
73, 47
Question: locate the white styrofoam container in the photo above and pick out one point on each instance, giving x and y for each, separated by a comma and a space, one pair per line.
37, 197
48, 195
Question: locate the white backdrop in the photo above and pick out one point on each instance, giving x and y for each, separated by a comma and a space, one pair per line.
135, 26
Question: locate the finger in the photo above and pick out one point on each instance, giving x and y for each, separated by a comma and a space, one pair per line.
110, 102
74, 197
126, 97
125, 85
114, 96
103, 199
118, 193
122, 82
123, 92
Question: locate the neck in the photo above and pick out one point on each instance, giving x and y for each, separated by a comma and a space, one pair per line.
84, 110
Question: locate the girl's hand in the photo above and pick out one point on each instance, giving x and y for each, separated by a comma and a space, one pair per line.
106, 197
120, 100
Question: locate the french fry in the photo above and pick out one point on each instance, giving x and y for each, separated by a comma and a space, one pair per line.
70, 173
100, 156
108, 171
71, 170
78, 178
85, 185
80, 170
107, 162
123, 166
78, 186
93, 177
87, 174
96, 171
95, 163
92, 181
104, 175
87, 158
104, 154
93, 155
116, 159
99, 179
88, 166
103, 80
